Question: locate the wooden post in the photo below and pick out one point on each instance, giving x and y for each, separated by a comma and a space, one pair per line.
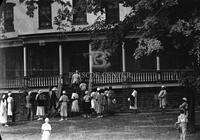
25, 61
90, 68
123, 58
158, 68
60, 60
158, 63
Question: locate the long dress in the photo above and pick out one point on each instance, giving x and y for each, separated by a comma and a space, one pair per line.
10, 106
133, 100
75, 106
162, 98
100, 102
63, 108
3, 112
46, 128
87, 104
93, 101
40, 99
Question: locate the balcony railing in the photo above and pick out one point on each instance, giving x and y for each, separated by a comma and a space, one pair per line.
167, 76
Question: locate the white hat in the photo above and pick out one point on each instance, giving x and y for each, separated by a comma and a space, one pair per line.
98, 89
9, 93
40, 91
184, 99
29, 93
162, 86
46, 120
54, 89
86, 92
64, 92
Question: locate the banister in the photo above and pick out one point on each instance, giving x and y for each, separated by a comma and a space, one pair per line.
142, 76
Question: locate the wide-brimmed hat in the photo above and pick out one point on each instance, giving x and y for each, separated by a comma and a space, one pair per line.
184, 99
54, 89
40, 91
86, 92
29, 93
9, 93
64, 92
162, 86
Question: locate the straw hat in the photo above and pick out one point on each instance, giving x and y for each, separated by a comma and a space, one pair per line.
162, 86
98, 89
86, 92
9, 93
184, 99
63, 92
54, 89
29, 93
39, 91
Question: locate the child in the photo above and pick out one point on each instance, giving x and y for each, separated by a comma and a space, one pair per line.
46, 130
182, 123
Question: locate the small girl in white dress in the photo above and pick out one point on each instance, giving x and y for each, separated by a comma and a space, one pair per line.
46, 130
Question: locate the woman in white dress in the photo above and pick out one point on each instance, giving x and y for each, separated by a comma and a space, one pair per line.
75, 105
3, 110
63, 106
46, 130
10, 102
40, 105
94, 102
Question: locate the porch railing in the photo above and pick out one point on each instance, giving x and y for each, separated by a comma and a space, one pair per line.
98, 78
137, 77
29, 82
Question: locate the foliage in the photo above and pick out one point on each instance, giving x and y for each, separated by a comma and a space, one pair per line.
147, 46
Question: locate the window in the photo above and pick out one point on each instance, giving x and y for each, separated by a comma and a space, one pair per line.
44, 10
79, 16
112, 12
9, 17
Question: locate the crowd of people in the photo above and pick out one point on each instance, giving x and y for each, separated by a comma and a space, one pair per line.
97, 102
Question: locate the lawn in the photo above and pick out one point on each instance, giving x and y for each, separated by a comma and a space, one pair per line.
123, 126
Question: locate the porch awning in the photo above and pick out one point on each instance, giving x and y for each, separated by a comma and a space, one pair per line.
14, 42
53, 37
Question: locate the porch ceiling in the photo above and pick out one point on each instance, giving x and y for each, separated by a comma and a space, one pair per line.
53, 37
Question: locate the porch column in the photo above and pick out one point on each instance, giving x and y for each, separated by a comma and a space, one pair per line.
60, 61
25, 61
123, 58
157, 63
158, 68
90, 67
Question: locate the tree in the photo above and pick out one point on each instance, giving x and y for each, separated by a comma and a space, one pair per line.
175, 21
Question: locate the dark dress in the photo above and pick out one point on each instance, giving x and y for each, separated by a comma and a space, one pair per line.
86, 104
132, 101
53, 100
